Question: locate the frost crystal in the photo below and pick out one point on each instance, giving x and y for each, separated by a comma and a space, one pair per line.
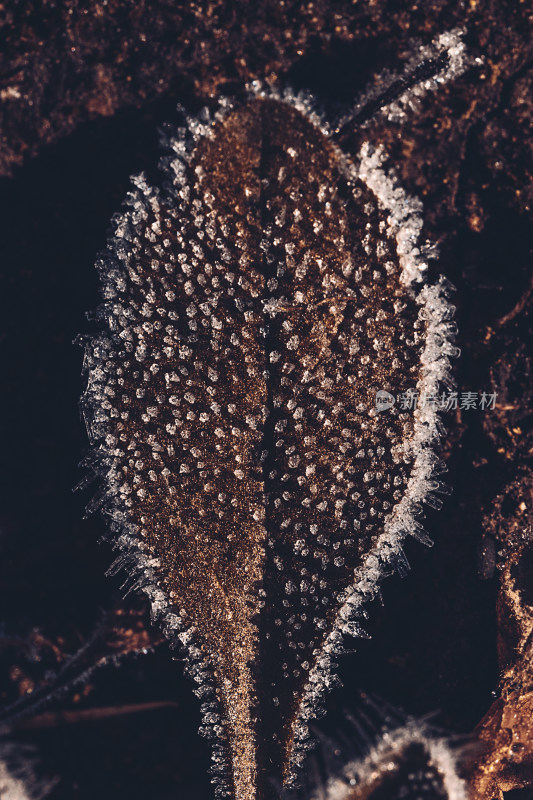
253, 307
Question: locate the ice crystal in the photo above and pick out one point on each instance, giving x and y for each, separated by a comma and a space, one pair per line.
253, 305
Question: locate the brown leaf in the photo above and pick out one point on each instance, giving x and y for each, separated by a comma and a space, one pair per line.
253, 307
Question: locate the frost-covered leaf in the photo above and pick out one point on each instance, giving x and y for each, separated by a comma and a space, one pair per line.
381, 754
253, 306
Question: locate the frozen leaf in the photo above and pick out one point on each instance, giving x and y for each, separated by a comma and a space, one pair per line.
253, 307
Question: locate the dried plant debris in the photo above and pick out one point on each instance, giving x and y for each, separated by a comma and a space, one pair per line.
395, 757
118, 55
253, 306
507, 729
41, 671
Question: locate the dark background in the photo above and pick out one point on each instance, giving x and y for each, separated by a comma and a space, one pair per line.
84, 88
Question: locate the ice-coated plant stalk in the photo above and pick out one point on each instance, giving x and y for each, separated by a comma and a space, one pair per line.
253, 304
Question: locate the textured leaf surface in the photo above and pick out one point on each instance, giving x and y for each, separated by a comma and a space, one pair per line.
252, 308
